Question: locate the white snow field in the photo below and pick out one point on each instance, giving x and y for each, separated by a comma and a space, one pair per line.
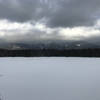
50, 78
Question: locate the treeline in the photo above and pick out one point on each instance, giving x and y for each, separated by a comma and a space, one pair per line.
51, 53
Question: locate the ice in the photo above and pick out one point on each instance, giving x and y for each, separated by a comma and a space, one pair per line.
50, 78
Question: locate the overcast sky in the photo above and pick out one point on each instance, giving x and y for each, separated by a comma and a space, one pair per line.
49, 19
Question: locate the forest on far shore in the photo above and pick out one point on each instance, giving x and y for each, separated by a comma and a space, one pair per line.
50, 53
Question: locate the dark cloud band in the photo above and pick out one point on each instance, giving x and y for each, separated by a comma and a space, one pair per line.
56, 13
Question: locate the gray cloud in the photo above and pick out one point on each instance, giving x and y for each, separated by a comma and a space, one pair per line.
56, 13
30, 36
75, 13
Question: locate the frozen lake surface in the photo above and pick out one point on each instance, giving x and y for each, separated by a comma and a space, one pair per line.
50, 78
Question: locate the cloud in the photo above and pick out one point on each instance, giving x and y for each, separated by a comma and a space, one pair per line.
24, 32
27, 32
75, 13
53, 13
29, 20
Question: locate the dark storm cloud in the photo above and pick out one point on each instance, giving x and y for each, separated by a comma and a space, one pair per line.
24, 10
19, 10
56, 13
75, 13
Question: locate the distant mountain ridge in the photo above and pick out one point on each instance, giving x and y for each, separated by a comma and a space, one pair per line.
57, 45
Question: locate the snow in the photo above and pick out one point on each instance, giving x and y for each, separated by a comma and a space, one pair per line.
50, 78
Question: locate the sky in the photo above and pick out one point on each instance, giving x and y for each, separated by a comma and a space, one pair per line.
27, 20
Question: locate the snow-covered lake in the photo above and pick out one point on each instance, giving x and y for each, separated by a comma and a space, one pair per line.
50, 78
